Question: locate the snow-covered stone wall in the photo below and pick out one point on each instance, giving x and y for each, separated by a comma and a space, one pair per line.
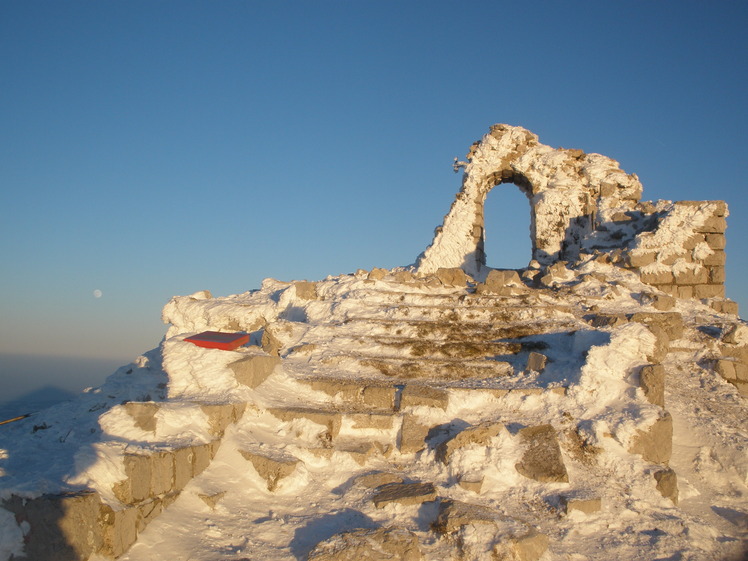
582, 205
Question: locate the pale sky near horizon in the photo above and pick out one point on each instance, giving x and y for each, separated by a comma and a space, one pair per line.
149, 149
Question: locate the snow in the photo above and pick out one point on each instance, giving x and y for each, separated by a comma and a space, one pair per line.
81, 444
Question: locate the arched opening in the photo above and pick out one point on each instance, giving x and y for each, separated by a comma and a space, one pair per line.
507, 222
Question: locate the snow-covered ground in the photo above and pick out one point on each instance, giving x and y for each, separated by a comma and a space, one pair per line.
354, 329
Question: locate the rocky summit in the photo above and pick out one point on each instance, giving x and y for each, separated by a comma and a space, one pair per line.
588, 406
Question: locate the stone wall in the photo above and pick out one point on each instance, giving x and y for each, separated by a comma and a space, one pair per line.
583, 205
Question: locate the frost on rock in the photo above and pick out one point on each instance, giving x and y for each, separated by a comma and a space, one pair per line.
590, 405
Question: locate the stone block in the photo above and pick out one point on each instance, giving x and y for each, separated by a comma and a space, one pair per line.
709, 291
716, 258
479, 435
655, 444
453, 515
377, 274
452, 276
403, 494
119, 529
162, 473
667, 484
652, 382
716, 224
656, 278
414, 396
684, 291
691, 276
379, 397
202, 456
184, 467
149, 510
213, 499
331, 420
137, 483
402, 276
741, 372
663, 302
587, 505
272, 470
670, 322
143, 413
63, 527
716, 275
306, 290
376, 421
471, 484
254, 369
412, 437
726, 369
716, 241
542, 460
382, 544
222, 415
536, 362
378, 478
531, 546
641, 259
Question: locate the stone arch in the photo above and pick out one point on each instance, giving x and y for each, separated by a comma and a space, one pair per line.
570, 192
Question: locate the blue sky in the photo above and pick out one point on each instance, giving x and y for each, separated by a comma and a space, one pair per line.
156, 148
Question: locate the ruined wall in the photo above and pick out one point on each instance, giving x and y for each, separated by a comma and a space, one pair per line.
581, 205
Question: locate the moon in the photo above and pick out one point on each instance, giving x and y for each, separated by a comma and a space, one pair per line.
97, 293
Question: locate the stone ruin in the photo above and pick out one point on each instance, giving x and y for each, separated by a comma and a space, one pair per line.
375, 368
583, 206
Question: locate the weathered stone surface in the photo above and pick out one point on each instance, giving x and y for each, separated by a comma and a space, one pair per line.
453, 276
162, 473
383, 544
412, 437
377, 274
536, 362
530, 547
726, 369
656, 443
380, 421
454, 514
213, 499
119, 528
471, 484
403, 494
587, 505
378, 478
254, 369
415, 395
480, 435
143, 413
542, 460
306, 290
663, 302
652, 382
667, 484
61, 527
222, 415
272, 470
331, 420
670, 322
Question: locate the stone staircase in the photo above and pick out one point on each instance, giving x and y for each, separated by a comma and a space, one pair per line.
384, 376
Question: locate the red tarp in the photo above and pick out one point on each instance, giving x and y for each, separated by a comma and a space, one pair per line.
218, 340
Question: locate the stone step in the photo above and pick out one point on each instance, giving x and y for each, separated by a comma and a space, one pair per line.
419, 347
453, 331
427, 368
477, 315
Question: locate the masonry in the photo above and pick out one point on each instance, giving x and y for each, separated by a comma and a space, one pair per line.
583, 206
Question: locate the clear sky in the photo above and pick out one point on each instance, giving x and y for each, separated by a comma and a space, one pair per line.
152, 148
